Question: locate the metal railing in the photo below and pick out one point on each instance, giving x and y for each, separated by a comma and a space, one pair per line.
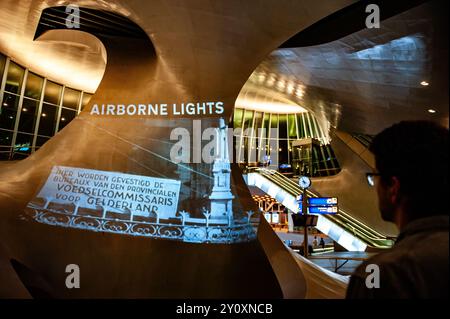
192, 232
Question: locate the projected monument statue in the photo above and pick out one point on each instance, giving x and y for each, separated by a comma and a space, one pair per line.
221, 197
137, 205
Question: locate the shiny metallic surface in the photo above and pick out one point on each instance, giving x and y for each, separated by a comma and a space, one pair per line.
200, 51
371, 79
196, 51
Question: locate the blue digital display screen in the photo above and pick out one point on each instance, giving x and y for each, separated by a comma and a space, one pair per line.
323, 201
323, 209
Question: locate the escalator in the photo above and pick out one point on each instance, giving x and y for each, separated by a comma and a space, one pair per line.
346, 230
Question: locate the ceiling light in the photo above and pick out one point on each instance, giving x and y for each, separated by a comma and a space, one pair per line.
44, 115
5, 104
63, 119
24, 109
424, 83
431, 111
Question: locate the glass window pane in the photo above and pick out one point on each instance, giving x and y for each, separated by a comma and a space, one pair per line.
274, 121
28, 115
66, 116
301, 128
266, 124
2, 66
292, 127
41, 140
248, 117
282, 139
47, 122
258, 120
5, 144
71, 98
15, 78
283, 126
33, 88
22, 148
52, 92
237, 123
8, 111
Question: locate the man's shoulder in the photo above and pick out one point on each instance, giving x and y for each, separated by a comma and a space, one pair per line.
393, 259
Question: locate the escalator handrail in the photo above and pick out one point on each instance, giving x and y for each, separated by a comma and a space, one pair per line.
297, 191
291, 187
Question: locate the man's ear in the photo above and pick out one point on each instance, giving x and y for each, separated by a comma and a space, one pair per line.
394, 190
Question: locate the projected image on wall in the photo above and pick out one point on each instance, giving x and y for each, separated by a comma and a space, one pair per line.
190, 202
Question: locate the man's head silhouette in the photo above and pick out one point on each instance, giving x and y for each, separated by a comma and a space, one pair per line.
412, 171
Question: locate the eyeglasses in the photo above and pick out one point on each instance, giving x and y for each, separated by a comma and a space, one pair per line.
371, 178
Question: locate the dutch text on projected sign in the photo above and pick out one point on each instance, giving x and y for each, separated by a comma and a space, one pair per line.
112, 191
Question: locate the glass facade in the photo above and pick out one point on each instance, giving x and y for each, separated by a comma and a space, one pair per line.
314, 157
32, 109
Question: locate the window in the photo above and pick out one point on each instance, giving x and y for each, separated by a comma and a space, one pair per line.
47, 122
55, 101
8, 111
238, 118
286, 129
5, 143
2, 66
14, 78
33, 87
28, 115
71, 98
22, 147
66, 116
52, 92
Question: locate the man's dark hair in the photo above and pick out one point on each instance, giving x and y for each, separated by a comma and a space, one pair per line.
416, 152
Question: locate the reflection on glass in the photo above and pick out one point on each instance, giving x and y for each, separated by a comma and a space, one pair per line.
14, 78
22, 147
71, 98
8, 111
66, 116
52, 92
292, 127
33, 87
48, 120
28, 115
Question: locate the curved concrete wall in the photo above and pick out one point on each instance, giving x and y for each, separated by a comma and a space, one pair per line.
199, 53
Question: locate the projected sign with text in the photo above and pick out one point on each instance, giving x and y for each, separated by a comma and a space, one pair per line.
115, 192
189, 202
